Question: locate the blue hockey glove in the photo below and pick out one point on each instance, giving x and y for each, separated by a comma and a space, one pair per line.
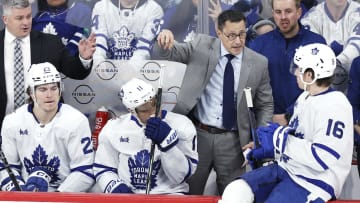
38, 181
117, 187
265, 136
8, 184
336, 47
161, 133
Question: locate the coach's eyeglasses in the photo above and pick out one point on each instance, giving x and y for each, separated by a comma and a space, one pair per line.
233, 36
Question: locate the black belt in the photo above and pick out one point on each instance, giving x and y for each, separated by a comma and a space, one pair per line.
210, 129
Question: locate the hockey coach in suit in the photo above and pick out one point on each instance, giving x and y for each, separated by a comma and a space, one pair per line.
202, 97
36, 47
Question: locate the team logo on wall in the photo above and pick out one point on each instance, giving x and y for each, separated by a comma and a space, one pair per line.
151, 71
83, 94
106, 70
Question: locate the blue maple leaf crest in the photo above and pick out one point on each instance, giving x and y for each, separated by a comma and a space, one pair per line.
138, 168
40, 160
122, 44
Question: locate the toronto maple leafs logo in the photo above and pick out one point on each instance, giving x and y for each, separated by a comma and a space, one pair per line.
122, 44
50, 29
40, 160
314, 51
138, 168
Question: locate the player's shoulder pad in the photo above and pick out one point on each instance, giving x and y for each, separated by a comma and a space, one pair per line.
70, 115
182, 124
121, 120
20, 115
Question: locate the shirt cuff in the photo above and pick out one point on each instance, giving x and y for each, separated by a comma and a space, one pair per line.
86, 62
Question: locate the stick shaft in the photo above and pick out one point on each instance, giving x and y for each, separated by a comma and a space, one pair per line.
9, 171
157, 111
252, 121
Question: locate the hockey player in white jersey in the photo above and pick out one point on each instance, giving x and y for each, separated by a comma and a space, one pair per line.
122, 158
313, 154
338, 21
47, 143
125, 29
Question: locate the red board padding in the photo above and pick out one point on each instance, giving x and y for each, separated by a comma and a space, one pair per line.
103, 198
113, 198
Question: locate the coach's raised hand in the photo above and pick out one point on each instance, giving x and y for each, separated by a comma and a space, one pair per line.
165, 39
87, 47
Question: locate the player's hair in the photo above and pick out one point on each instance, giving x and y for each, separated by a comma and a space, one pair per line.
297, 3
322, 82
43, 5
229, 15
9, 4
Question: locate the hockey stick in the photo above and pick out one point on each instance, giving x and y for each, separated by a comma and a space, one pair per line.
252, 120
9, 171
157, 110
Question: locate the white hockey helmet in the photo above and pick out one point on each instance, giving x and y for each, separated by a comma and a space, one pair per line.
318, 57
43, 73
135, 93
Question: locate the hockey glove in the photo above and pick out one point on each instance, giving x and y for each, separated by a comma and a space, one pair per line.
38, 180
336, 47
161, 133
9, 185
117, 187
265, 136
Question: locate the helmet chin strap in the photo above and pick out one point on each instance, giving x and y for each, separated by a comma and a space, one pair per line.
306, 84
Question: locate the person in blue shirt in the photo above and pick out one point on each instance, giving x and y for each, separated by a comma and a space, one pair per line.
279, 47
353, 95
58, 18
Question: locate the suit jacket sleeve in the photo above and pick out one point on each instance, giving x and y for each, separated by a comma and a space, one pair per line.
49, 48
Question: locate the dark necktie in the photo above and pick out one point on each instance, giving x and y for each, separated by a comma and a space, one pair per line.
19, 87
229, 112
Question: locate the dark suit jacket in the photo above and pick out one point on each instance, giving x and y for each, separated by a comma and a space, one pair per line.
201, 56
44, 48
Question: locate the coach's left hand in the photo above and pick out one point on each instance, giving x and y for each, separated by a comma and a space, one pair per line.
87, 47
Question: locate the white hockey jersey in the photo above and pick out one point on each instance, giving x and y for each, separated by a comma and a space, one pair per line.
345, 31
125, 33
62, 146
124, 151
318, 157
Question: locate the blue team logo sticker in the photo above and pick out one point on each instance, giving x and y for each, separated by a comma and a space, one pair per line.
106, 70
139, 168
122, 44
83, 94
40, 160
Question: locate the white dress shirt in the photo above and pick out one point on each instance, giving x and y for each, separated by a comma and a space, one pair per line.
209, 109
9, 49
